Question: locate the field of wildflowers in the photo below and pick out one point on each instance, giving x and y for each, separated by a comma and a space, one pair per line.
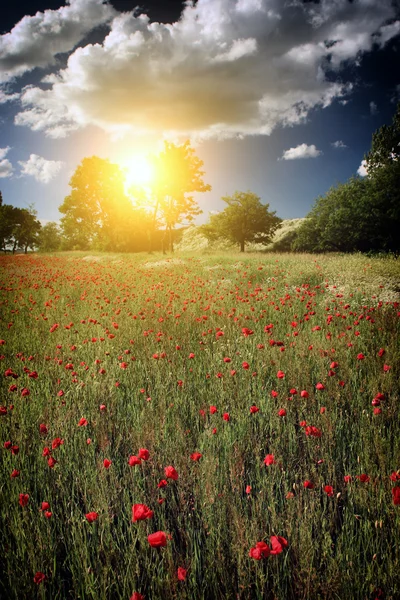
202, 427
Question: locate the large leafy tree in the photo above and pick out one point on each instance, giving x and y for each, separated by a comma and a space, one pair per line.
244, 220
19, 228
178, 175
97, 210
362, 214
385, 147
49, 239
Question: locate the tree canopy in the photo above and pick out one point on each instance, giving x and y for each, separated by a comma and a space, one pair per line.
385, 146
19, 228
178, 175
362, 214
244, 220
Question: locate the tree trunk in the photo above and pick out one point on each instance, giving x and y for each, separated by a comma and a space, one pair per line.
26, 249
241, 245
171, 241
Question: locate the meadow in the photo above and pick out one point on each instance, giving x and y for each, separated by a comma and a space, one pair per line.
205, 426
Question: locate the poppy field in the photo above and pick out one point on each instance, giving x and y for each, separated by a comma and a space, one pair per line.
199, 427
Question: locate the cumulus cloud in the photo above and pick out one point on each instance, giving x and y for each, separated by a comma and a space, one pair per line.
6, 167
338, 144
362, 171
41, 169
4, 97
226, 68
35, 41
301, 151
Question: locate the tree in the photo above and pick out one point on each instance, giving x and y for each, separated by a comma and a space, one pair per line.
97, 208
49, 239
27, 229
178, 174
244, 220
8, 222
385, 147
19, 228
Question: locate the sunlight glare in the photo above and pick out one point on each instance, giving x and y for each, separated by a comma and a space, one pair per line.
138, 170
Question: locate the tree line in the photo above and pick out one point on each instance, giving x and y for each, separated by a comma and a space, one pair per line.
362, 214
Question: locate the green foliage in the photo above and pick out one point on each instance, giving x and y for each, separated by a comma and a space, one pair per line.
19, 228
49, 239
362, 214
178, 174
385, 147
244, 220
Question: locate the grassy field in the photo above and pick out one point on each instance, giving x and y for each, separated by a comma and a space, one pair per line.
218, 401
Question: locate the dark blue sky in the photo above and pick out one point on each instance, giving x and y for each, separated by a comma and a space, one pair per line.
246, 160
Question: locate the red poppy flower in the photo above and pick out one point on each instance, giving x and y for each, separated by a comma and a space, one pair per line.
51, 462
245, 365
39, 577
213, 410
304, 394
92, 516
140, 512
282, 412
23, 499
163, 483
171, 473
312, 431
259, 551
45, 506
15, 473
363, 478
396, 496
280, 374
136, 596
308, 485
181, 573
56, 443
43, 428
143, 454
157, 539
83, 422
347, 478
133, 461
328, 489
196, 456
226, 416
107, 463
269, 459
320, 386
278, 543
248, 489
254, 409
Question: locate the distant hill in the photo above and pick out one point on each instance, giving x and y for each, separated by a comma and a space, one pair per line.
192, 240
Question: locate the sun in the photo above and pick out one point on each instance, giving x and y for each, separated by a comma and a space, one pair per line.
138, 171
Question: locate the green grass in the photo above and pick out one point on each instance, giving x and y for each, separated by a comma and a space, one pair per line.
138, 309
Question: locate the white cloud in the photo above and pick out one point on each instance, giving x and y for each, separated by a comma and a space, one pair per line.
224, 69
6, 167
41, 169
4, 97
362, 171
339, 144
373, 108
4, 152
301, 151
34, 41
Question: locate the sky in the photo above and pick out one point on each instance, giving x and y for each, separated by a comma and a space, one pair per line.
278, 97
